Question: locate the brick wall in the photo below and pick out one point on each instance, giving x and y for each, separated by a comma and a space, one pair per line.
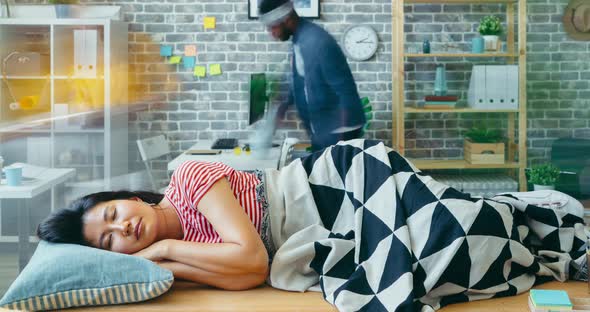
187, 109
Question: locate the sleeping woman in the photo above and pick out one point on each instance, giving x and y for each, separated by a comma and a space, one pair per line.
356, 219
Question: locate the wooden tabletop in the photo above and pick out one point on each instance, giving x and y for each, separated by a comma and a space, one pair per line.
184, 297
517, 303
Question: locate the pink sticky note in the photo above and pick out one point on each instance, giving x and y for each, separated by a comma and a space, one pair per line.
190, 50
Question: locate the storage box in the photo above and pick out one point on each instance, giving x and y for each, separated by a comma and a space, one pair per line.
483, 153
484, 185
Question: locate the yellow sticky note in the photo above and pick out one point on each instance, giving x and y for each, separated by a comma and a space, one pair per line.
214, 69
175, 59
190, 50
209, 22
200, 71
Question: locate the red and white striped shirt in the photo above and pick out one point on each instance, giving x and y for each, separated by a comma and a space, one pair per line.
189, 183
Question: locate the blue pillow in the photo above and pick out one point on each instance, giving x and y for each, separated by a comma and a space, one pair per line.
61, 276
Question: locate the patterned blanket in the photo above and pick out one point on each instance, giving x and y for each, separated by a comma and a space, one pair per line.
379, 235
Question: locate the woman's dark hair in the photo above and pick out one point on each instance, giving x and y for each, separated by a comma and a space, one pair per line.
66, 225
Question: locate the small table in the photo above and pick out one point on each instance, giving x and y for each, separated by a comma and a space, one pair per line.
253, 161
39, 180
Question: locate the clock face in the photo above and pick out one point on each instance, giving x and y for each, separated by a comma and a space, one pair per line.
360, 42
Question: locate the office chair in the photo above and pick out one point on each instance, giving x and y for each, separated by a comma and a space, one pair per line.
152, 148
286, 149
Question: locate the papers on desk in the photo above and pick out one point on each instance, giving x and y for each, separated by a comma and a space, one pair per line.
203, 152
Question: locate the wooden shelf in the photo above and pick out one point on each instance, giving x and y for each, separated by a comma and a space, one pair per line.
458, 164
456, 110
459, 55
515, 53
459, 1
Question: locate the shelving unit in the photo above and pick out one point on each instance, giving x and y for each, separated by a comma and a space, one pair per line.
89, 133
515, 54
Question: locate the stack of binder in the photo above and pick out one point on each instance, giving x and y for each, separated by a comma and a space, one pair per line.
494, 87
440, 101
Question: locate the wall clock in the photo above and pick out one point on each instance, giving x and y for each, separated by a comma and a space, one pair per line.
360, 42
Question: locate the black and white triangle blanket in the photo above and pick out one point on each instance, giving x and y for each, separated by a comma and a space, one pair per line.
379, 235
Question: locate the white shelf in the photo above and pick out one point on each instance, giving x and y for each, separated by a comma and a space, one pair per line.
26, 77
72, 131
56, 21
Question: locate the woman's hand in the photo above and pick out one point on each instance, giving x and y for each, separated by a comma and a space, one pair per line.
155, 252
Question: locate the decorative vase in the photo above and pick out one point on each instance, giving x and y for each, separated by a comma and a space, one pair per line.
477, 45
426, 47
440, 81
492, 43
6, 4
62, 10
68, 10
538, 187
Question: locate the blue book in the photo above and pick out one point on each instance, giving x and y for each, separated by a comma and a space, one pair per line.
551, 299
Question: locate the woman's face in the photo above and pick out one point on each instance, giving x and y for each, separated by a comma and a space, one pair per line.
125, 225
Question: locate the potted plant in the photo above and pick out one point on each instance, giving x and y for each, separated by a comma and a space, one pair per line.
543, 177
490, 28
63, 8
483, 146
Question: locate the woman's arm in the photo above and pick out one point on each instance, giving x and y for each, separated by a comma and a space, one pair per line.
241, 257
225, 281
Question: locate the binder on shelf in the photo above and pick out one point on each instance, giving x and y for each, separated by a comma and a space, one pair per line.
477, 92
513, 86
495, 86
85, 52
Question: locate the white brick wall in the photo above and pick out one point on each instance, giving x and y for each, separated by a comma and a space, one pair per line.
187, 109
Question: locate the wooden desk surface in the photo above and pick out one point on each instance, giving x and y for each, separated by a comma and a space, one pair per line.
517, 303
189, 297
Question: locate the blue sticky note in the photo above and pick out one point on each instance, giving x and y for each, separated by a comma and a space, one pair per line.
188, 62
165, 50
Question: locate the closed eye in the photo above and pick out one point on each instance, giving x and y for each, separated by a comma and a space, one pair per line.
110, 242
114, 214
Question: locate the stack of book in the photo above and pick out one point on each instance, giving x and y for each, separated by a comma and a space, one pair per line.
440, 101
541, 300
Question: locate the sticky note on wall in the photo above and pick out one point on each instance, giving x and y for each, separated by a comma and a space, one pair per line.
175, 59
190, 50
199, 71
215, 69
188, 61
209, 22
165, 50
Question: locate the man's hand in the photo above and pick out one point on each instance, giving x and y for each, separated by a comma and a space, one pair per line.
155, 252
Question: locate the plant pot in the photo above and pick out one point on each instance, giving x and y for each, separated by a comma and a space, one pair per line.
483, 153
492, 43
538, 187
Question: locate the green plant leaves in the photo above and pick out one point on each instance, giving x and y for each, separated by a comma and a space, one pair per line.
484, 135
546, 174
490, 26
